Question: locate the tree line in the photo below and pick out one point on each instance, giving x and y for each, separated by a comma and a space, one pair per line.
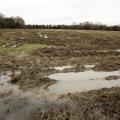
18, 22
81, 26
11, 22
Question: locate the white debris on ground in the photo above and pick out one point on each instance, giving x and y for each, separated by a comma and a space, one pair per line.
45, 36
41, 36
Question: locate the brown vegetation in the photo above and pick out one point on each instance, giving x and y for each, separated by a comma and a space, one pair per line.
35, 57
102, 104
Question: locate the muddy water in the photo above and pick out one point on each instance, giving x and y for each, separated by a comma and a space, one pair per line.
16, 104
82, 81
5, 87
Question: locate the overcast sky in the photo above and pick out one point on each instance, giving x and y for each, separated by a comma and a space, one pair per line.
63, 11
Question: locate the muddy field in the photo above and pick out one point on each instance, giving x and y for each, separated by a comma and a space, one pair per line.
102, 104
32, 55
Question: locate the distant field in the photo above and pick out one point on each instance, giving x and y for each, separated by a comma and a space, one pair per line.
81, 39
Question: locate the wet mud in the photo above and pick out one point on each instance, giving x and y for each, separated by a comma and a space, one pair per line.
77, 61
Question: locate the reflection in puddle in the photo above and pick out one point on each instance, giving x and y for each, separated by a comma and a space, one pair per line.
81, 81
6, 87
16, 104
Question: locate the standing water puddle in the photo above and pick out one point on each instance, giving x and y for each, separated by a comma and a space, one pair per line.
16, 104
82, 81
5, 87
62, 67
89, 66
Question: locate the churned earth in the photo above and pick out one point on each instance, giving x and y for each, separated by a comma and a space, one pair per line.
44, 70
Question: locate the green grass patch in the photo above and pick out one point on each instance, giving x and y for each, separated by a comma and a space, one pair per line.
25, 49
